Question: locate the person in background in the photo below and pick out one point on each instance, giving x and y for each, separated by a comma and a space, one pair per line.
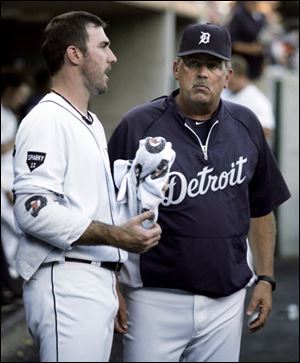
245, 27
241, 90
15, 91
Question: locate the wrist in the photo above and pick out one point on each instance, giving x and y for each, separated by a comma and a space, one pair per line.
268, 279
114, 235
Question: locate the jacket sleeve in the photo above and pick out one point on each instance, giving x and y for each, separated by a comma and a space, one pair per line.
267, 189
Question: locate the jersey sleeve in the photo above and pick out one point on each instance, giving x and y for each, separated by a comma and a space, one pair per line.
267, 188
41, 152
43, 215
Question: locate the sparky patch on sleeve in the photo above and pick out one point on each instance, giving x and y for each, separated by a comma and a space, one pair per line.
35, 159
35, 203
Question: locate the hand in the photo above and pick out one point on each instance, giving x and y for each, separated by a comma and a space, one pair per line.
261, 299
130, 236
133, 237
121, 318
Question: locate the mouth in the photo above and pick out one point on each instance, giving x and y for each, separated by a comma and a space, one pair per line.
201, 86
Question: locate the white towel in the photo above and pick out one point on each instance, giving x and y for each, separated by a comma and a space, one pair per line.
141, 181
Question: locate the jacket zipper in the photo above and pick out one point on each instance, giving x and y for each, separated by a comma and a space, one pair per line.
203, 147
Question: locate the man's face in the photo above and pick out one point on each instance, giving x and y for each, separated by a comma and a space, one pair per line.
97, 61
202, 78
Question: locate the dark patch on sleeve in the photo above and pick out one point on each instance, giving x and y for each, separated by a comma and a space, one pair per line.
35, 203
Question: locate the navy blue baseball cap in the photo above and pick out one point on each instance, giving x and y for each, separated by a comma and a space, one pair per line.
205, 38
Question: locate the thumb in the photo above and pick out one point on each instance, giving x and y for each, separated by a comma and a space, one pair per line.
143, 216
251, 307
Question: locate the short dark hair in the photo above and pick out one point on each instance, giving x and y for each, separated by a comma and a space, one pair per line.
65, 30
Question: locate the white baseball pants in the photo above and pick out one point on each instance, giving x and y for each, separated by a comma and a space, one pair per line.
70, 309
172, 325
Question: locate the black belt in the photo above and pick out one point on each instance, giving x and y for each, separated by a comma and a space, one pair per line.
112, 266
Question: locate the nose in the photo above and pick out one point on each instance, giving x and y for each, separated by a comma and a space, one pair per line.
112, 58
202, 71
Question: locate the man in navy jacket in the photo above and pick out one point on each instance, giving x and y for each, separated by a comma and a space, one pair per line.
185, 297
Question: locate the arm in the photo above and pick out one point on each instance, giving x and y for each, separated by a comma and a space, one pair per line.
262, 242
43, 216
253, 48
130, 236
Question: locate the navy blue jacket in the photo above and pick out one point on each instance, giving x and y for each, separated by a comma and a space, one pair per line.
206, 213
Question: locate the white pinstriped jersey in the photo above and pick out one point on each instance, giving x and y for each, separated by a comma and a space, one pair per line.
56, 150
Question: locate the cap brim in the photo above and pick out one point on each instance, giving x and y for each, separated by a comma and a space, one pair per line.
181, 54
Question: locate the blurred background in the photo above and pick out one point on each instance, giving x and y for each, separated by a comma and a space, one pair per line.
144, 36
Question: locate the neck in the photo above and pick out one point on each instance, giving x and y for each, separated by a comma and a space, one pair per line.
72, 90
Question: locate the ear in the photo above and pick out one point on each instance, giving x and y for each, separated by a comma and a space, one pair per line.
74, 55
176, 69
228, 77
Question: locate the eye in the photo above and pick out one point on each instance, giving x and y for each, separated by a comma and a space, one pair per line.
104, 44
191, 63
214, 65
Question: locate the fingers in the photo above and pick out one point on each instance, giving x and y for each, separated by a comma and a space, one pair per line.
259, 307
154, 235
138, 239
151, 245
121, 318
143, 216
256, 318
257, 321
252, 307
155, 230
120, 327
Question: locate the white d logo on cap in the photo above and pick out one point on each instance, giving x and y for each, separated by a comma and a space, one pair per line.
204, 38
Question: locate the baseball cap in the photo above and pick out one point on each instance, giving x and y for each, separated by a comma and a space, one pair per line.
205, 38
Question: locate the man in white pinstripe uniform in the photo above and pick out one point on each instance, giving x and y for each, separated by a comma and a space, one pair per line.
65, 201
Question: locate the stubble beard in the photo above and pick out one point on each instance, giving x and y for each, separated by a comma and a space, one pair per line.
94, 84
97, 88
